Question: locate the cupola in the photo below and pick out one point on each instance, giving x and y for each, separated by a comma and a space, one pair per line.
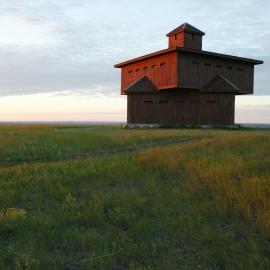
186, 36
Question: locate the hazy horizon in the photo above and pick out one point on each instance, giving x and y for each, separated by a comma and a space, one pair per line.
66, 106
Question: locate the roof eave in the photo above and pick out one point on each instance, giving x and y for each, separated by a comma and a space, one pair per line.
181, 49
232, 57
187, 31
147, 56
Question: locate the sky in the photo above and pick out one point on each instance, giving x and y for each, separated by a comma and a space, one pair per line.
57, 56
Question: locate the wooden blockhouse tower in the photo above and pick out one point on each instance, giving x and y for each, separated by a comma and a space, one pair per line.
184, 84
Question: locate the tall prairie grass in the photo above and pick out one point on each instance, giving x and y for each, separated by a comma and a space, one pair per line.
234, 169
203, 204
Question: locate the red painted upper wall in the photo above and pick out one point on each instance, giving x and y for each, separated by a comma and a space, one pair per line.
161, 70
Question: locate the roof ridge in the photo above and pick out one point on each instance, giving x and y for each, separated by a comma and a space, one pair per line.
186, 27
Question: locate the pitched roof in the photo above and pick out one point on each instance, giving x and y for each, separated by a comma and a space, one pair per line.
181, 49
187, 28
220, 84
144, 84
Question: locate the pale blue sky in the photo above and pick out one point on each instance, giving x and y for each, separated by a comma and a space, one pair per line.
71, 45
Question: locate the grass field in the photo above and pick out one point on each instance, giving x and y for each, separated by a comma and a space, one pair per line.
110, 198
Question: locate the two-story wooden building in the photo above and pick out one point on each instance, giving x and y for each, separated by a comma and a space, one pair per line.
184, 84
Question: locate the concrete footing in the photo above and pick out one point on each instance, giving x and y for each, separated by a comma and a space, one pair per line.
178, 126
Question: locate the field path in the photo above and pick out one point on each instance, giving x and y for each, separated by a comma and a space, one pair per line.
99, 153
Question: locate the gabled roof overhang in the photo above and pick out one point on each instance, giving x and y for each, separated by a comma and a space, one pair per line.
142, 85
220, 84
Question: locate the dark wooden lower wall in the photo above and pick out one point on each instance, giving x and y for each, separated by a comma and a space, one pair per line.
185, 107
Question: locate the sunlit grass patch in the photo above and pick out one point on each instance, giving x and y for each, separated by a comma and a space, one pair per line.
234, 169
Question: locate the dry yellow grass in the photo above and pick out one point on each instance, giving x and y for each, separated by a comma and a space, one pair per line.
233, 169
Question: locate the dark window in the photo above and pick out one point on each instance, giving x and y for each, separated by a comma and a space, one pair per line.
240, 69
210, 101
163, 101
219, 66
130, 71
148, 102
195, 62
175, 37
145, 68
207, 64
162, 64
154, 66
229, 67
137, 69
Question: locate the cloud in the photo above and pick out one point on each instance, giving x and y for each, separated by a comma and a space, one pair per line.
68, 45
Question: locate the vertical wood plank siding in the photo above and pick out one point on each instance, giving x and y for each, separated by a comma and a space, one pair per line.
194, 71
186, 40
186, 107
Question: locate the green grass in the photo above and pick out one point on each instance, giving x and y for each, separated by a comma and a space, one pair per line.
201, 204
48, 143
